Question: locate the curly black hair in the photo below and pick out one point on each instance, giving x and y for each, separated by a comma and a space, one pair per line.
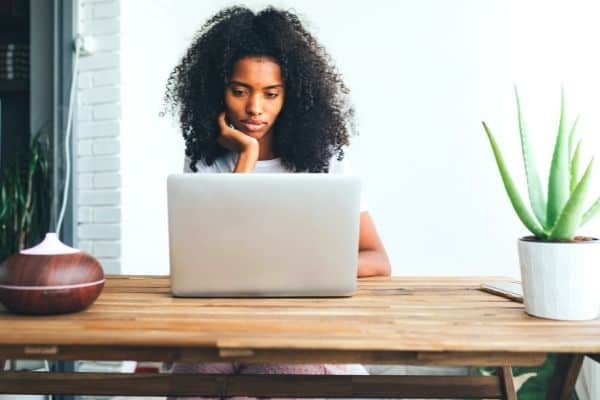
317, 118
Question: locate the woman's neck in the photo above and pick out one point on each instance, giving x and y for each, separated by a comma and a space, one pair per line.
265, 145
265, 154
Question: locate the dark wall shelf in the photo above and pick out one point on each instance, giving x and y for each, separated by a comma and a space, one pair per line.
14, 86
14, 28
15, 94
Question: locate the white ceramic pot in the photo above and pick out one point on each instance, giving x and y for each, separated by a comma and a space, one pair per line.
561, 280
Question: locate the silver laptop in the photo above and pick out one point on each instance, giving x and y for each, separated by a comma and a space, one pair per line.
263, 235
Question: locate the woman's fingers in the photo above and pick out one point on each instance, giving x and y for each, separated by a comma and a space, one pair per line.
227, 130
232, 138
226, 138
222, 123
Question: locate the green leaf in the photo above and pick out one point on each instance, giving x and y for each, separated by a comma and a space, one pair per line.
574, 168
3, 203
25, 195
591, 212
570, 217
558, 182
572, 137
536, 194
513, 194
536, 386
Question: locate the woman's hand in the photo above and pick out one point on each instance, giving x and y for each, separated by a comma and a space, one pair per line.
234, 140
238, 142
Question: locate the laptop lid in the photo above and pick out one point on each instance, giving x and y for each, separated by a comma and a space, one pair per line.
257, 235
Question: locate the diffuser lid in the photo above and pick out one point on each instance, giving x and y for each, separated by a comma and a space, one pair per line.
51, 245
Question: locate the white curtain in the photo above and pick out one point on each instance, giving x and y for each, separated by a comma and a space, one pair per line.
588, 383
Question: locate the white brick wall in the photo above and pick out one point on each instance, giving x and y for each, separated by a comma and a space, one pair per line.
98, 194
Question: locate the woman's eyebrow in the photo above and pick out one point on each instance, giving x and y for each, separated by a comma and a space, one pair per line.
250, 86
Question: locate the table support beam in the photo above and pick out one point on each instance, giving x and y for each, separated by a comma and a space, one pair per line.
332, 386
190, 355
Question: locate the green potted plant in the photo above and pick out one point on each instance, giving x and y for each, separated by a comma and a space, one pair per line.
25, 197
559, 270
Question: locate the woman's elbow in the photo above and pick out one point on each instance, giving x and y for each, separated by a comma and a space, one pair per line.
385, 268
373, 263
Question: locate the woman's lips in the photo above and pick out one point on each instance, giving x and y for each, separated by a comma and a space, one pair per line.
252, 126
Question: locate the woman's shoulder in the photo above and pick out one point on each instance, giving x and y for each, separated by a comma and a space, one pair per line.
225, 163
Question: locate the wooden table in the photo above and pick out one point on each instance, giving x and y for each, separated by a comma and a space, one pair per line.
420, 321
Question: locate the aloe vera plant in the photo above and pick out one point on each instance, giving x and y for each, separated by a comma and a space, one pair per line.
557, 217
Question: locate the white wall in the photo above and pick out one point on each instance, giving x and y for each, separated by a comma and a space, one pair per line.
98, 179
423, 74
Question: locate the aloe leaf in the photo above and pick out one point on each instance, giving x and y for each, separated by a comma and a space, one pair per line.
536, 194
572, 137
570, 217
591, 212
4, 203
513, 194
558, 182
574, 168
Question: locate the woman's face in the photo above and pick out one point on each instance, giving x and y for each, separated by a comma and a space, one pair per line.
254, 96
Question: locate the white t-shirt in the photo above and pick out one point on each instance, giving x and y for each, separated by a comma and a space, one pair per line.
227, 162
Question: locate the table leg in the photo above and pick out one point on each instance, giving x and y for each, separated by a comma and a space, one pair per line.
63, 366
565, 375
2, 363
506, 383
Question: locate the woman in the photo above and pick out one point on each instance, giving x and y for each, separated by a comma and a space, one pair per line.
255, 92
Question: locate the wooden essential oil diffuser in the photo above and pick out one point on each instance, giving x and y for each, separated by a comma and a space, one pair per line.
50, 278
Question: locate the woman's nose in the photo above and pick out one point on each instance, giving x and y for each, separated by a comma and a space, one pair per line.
254, 105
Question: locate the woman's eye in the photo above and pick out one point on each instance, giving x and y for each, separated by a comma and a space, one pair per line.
237, 92
271, 95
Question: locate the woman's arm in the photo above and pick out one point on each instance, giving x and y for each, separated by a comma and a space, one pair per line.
247, 160
372, 257
247, 147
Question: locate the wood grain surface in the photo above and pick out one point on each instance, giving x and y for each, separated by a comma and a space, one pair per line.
389, 320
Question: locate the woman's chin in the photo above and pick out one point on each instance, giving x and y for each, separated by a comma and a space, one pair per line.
255, 134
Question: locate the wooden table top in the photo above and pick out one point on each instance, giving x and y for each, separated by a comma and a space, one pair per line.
386, 314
